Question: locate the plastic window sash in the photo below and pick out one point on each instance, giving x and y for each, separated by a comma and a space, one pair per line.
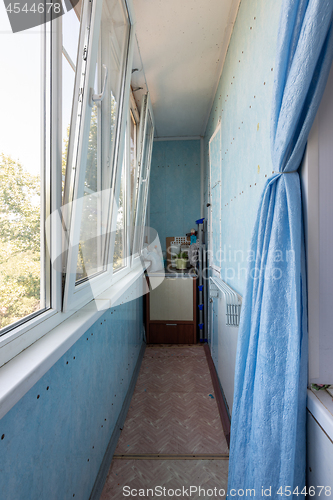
77, 296
129, 224
141, 136
45, 117
87, 190
146, 110
36, 326
33, 328
21, 334
120, 150
79, 118
133, 118
149, 146
126, 166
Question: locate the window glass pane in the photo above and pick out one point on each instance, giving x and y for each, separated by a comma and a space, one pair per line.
70, 40
147, 147
90, 247
21, 134
70, 33
119, 245
134, 181
104, 127
143, 191
114, 41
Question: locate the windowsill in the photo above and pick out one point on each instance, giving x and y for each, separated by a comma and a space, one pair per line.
320, 405
24, 370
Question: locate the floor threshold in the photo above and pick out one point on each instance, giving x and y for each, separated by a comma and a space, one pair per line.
168, 456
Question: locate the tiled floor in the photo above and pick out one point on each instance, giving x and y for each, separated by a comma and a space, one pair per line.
173, 411
179, 474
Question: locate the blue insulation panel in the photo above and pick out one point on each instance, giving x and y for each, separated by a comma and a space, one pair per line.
243, 103
55, 437
175, 188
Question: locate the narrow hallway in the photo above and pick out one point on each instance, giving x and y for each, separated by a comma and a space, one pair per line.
172, 437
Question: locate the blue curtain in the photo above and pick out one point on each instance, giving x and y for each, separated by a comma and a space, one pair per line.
268, 420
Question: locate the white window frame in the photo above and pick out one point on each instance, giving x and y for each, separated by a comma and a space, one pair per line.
120, 273
30, 329
27, 333
317, 223
146, 108
136, 117
77, 295
117, 274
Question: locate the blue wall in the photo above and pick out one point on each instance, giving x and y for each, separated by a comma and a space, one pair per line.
243, 103
53, 444
175, 187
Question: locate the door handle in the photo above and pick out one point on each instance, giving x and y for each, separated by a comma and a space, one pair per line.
99, 97
171, 324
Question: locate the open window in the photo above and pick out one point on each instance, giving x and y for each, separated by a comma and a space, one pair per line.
146, 137
133, 132
25, 280
128, 194
31, 160
95, 151
120, 249
70, 45
61, 187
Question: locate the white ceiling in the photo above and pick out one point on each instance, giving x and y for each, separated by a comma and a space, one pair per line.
183, 44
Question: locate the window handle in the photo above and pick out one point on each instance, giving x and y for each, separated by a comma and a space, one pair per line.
99, 97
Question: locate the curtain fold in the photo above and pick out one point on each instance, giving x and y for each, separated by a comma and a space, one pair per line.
267, 447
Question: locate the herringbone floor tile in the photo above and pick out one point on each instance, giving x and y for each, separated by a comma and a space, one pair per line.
168, 474
172, 422
173, 411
